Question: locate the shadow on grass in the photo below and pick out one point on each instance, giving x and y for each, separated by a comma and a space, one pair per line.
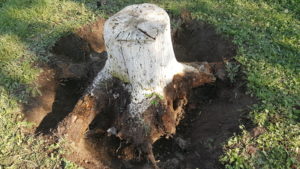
15, 82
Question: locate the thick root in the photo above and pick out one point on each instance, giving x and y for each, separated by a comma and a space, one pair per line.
74, 126
160, 119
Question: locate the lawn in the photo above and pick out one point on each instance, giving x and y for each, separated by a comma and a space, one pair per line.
267, 34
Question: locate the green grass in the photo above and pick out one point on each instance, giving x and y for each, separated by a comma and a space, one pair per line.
28, 28
266, 32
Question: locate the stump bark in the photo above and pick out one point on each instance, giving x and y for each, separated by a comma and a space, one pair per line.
141, 59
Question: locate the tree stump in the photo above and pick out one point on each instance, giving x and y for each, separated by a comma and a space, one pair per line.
141, 59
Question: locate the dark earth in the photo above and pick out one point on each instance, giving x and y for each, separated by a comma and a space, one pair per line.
213, 114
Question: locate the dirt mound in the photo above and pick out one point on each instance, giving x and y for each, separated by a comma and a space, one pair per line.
213, 114
198, 41
75, 63
38, 107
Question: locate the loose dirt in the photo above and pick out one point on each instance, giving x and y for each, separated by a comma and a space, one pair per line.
213, 114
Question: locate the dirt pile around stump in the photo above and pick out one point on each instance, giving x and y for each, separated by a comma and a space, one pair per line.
213, 113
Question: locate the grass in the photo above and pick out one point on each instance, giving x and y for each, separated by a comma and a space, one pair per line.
266, 32
28, 29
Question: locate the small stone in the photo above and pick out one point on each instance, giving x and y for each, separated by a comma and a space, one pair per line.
112, 131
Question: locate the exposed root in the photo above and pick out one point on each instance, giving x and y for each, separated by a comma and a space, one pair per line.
141, 131
150, 156
77, 122
107, 107
161, 119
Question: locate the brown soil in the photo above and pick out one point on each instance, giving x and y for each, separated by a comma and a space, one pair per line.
38, 107
198, 41
213, 113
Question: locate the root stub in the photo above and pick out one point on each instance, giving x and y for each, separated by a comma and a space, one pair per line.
76, 123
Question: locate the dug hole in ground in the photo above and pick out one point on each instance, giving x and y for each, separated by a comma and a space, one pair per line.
147, 98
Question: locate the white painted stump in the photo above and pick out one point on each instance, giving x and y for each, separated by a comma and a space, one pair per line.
140, 52
141, 56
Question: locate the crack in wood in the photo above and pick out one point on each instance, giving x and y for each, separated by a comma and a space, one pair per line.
144, 32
